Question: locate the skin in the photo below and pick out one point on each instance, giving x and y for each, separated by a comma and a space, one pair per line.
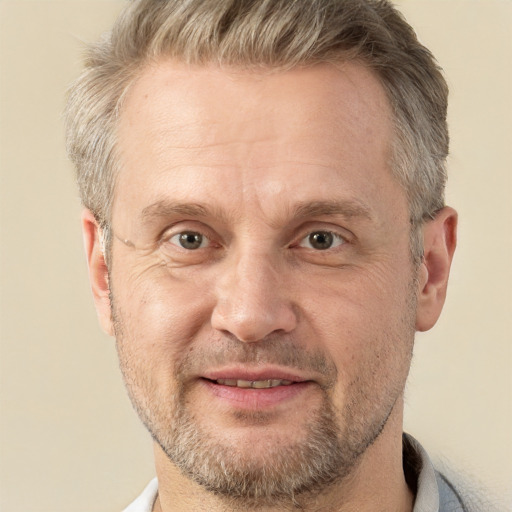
271, 158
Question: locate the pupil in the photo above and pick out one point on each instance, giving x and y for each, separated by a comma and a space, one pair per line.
191, 240
322, 240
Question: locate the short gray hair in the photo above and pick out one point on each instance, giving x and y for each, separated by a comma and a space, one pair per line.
279, 34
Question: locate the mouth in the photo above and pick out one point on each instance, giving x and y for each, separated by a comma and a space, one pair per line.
243, 389
253, 384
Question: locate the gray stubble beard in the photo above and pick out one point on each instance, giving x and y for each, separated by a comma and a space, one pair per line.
291, 476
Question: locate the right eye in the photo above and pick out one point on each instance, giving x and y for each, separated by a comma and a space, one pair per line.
190, 240
322, 240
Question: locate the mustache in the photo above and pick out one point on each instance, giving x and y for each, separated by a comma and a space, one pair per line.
275, 349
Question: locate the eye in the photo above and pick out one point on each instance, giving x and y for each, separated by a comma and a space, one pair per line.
322, 240
190, 240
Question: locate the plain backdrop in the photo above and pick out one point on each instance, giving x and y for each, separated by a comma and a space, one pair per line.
69, 440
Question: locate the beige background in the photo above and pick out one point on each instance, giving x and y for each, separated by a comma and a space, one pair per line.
69, 439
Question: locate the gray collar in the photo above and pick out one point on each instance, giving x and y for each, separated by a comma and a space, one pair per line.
434, 493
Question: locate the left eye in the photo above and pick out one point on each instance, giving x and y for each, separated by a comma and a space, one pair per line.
190, 240
322, 240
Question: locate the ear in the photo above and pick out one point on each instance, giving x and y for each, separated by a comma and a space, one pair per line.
439, 241
98, 274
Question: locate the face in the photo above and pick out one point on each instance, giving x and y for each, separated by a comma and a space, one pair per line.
264, 299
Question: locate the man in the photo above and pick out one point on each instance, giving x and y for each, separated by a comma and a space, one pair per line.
265, 231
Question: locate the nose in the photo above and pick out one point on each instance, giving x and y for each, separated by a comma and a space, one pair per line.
252, 300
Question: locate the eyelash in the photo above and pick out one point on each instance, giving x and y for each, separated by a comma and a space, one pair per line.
192, 234
336, 240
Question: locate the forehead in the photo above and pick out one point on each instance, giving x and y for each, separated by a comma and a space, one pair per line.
306, 134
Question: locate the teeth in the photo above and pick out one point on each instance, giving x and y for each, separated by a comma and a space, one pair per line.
254, 384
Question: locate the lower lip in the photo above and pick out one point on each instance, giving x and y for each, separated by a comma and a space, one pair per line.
254, 399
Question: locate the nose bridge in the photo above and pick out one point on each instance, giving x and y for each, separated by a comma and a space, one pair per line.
252, 297
256, 278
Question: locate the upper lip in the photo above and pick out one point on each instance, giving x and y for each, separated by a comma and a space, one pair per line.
254, 374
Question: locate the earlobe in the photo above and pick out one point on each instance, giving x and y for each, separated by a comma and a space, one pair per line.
439, 241
98, 272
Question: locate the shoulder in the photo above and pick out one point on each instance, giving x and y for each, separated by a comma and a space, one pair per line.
445, 490
472, 495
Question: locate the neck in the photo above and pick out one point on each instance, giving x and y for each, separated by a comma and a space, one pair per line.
376, 483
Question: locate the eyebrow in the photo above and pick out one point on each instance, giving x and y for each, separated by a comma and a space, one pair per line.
347, 208
166, 209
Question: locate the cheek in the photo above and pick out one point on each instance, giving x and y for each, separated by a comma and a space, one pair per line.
157, 317
358, 301
366, 322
